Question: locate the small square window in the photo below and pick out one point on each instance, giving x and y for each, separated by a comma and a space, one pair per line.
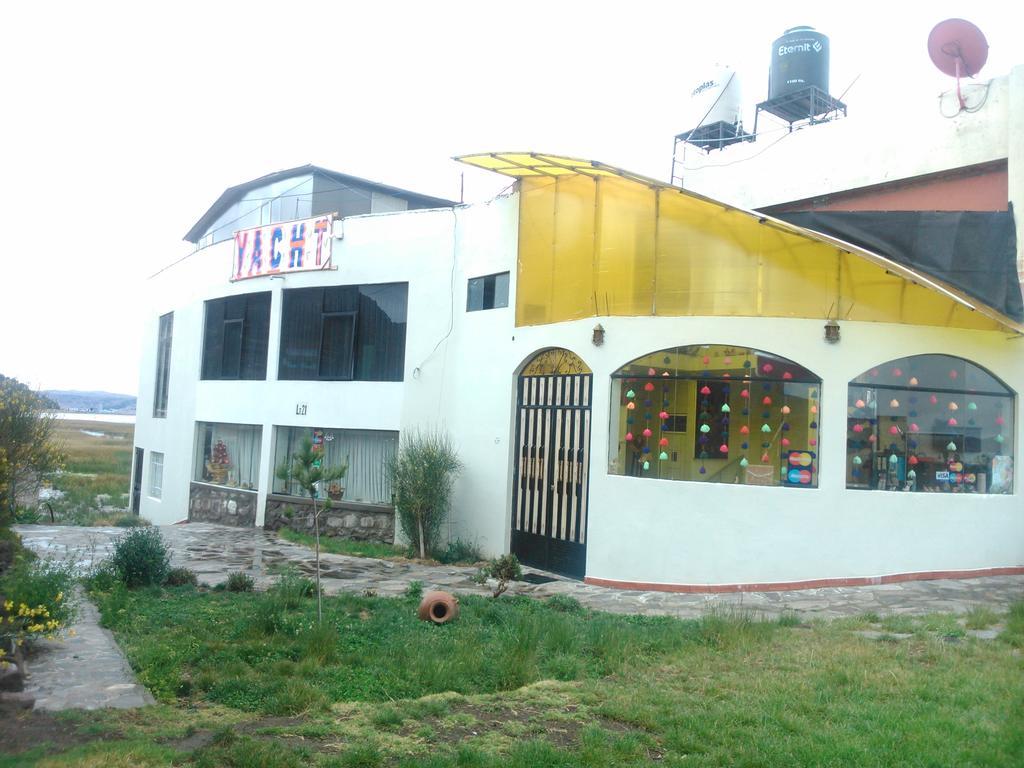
488, 292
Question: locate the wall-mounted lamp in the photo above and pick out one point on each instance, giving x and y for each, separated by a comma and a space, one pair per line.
598, 337
832, 331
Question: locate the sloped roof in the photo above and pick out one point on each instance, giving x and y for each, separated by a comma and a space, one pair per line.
642, 246
232, 194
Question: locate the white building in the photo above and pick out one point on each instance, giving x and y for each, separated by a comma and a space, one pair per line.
636, 377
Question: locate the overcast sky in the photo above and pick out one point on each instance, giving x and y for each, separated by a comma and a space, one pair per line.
123, 123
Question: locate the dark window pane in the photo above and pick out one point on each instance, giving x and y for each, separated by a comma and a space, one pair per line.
501, 290
475, 296
370, 346
488, 292
336, 347
232, 355
235, 337
163, 365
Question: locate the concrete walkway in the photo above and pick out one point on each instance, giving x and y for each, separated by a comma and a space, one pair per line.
86, 671
213, 551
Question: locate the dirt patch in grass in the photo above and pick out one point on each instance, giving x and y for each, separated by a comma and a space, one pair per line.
21, 731
471, 721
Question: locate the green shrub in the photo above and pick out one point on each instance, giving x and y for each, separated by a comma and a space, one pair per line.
131, 521
141, 557
565, 604
503, 570
26, 516
422, 473
414, 590
38, 598
179, 577
461, 552
239, 582
291, 590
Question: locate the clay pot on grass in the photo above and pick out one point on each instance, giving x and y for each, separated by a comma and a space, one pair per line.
438, 607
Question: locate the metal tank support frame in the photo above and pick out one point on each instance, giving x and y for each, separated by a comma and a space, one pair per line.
811, 104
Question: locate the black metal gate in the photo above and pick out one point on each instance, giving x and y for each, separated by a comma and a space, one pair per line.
549, 502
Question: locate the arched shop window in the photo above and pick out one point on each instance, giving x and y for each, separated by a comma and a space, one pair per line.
929, 423
714, 413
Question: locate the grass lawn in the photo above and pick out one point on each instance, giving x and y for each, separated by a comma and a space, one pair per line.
337, 546
249, 680
99, 461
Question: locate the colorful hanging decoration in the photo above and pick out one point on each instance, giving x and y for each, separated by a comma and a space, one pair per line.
951, 422
663, 455
766, 400
647, 465
953, 374
629, 437
630, 394
894, 459
705, 390
894, 403
630, 406
745, 394
705, 428
744, 462
858, 428
933, 400
858, 460
915, 428
786, 410
723, 448
951, 446
954, 407
787, 375
894, 430
647, 432
766, 428
913, 381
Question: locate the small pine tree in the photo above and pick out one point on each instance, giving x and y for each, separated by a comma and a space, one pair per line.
307, 471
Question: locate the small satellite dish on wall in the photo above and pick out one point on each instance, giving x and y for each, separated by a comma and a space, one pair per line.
959, 49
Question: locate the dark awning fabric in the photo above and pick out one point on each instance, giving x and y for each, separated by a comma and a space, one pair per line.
973, 251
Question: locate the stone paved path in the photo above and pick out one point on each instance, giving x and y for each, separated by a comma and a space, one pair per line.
87, 671
212, 551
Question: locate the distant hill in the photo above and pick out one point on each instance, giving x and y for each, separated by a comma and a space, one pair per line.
91, 402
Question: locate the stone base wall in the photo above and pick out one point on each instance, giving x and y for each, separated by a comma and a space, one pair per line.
346, 520
227, 506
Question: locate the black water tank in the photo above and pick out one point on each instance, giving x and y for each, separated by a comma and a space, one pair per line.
799, 59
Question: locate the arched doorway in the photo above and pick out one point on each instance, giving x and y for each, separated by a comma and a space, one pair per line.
549, 495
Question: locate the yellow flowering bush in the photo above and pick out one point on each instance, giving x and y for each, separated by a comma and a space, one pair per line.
36, 603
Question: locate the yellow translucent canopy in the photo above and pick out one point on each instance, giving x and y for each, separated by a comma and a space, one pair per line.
597, 240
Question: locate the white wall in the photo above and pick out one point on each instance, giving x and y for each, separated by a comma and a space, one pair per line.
855, 151
666, 531
460, 370
864, 150
435, 251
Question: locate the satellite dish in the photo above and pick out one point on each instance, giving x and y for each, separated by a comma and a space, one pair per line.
958, 48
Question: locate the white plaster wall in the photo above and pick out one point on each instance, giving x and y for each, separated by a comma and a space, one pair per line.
435, 251
856, 151
665, 531
460, 372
